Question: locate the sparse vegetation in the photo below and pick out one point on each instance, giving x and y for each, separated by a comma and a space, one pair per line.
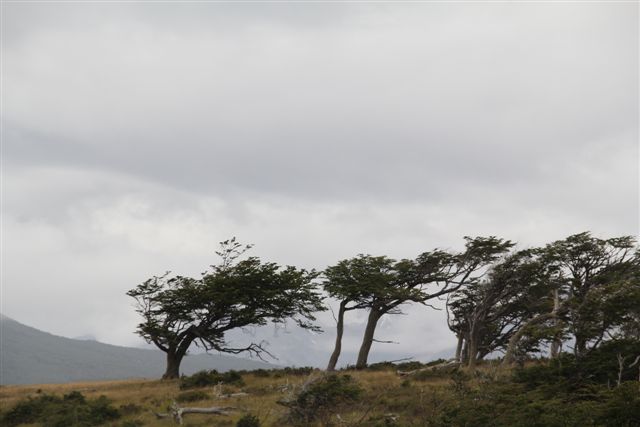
543, 393
210, 378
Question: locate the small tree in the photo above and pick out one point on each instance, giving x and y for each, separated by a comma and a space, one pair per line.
179, 311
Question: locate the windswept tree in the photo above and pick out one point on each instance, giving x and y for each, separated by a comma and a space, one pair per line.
488, 314
352, 282
382, 285
180, 311
594, 293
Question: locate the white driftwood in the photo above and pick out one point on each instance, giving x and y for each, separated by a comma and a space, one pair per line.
177, 412
218, 394
448, 364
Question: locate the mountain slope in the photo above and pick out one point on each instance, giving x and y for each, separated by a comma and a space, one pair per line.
31, 356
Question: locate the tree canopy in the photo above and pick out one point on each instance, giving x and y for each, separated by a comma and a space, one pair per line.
180, 311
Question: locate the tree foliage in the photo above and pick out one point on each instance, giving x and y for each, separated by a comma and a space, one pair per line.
382, 285
579, 291
180, 311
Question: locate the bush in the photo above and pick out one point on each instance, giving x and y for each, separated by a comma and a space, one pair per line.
410, 366
210, 378
130, 409
72, 409
545, 404
622, 408
600, 366
248, 421
192, 396
381, 366
261, 373
298, 372
322, 397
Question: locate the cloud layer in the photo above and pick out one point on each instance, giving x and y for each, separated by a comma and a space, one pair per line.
136, 136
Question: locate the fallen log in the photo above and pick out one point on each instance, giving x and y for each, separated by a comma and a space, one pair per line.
444, 365
178, 412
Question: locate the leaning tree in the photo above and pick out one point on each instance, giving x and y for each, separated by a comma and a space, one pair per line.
353, 282
382, 285
592, 271
488, 314
180, 311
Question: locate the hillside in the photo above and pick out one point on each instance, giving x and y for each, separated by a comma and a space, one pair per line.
30, 356
543, 394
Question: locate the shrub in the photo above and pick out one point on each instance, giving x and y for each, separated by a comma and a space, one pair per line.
381, 366
72, 409
261, 373
210, 378
192, 396
409, 366
130, 409
622, 408
248, 421
299, 372
600, 366
322, 397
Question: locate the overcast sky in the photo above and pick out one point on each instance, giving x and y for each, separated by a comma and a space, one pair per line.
135, 136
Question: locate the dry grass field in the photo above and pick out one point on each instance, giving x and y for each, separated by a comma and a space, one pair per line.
542, 394
385, 395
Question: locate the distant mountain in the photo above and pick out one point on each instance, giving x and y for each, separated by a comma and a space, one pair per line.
31, 356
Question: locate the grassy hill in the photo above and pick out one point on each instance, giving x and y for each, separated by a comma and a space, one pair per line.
542, 394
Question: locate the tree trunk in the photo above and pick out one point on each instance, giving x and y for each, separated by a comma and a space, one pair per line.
173, 365
464, 357
339, 331
472, 348
554, 351
515, 338
367, 340
580, 346
459, 348
473, 354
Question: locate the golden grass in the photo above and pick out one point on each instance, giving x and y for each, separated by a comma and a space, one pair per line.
384, 390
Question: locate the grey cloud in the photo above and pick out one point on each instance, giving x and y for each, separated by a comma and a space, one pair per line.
135, 136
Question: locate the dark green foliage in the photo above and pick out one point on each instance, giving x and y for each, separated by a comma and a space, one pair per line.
320, 399
262, 373
192, 396
623, 406
410, 366
381, 366
180, 311
130, 409
600, 366
248, 421
72, 409
132, 423
300, 371
562, 393
508, 404
210, 378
